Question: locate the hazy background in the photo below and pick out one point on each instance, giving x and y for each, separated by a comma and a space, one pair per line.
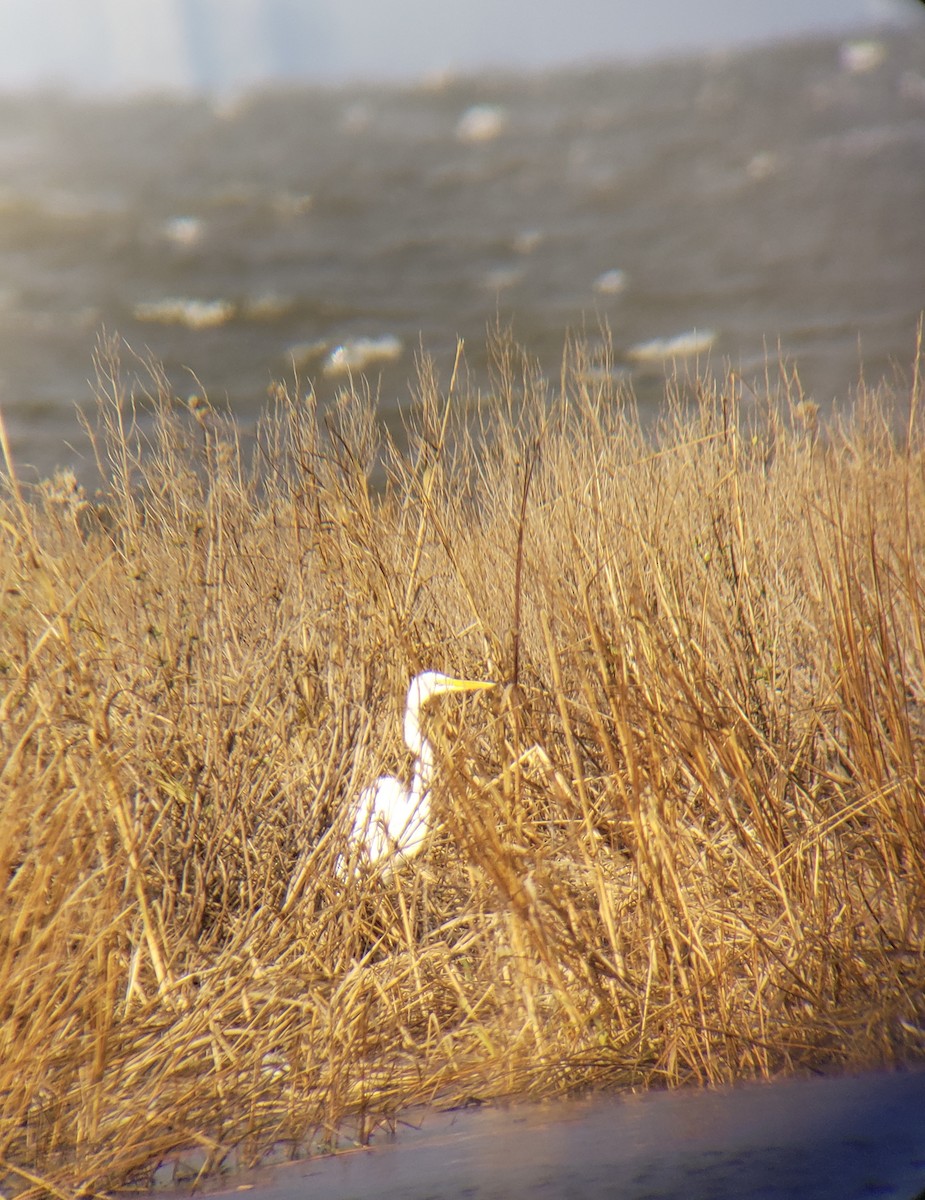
729, 179
105, 46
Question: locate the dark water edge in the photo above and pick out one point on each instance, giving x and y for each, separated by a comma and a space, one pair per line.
756, 204
836, 1138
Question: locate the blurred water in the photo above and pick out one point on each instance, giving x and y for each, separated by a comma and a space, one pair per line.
764, 198
847, 1138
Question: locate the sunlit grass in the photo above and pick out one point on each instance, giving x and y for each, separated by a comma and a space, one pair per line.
682, 844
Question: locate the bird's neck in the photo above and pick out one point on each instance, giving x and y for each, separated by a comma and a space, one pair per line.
414, 738
423, 774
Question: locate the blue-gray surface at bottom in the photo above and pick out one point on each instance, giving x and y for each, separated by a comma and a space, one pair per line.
816, 1139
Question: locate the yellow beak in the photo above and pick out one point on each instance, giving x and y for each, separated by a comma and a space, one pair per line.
471, 685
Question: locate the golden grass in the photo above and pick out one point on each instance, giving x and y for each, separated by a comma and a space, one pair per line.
684, 846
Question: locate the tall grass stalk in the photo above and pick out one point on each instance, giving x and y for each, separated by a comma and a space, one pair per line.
684, 845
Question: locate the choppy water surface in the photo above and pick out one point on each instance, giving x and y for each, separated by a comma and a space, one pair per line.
725, 203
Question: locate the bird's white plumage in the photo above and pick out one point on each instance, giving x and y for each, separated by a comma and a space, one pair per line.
392, 817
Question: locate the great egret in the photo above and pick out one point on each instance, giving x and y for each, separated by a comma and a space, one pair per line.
393, 819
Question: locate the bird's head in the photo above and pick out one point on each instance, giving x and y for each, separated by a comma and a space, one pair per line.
433, 683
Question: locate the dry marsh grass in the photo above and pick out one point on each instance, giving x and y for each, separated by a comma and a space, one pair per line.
682, 844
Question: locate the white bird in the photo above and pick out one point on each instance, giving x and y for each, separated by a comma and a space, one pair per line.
392, 818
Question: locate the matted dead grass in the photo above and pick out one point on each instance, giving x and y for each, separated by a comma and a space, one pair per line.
683, 842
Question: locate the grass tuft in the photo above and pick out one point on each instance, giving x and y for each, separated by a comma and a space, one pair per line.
681, 844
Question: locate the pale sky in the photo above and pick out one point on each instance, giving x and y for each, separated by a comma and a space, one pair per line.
131, 45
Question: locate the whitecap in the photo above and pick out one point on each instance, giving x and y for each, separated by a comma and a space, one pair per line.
610, 283
194, 314
481, 123
682, 345
857, 58
183, 231
358, 353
